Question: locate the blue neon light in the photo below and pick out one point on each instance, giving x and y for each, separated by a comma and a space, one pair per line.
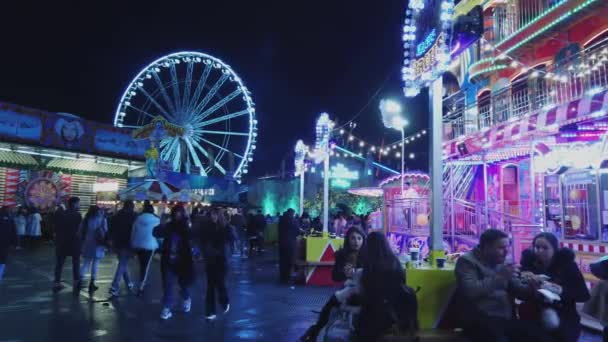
426, 43
380, 166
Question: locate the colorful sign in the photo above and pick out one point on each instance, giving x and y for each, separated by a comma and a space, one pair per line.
66, 132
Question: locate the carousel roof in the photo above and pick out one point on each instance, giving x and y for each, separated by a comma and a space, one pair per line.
149, 189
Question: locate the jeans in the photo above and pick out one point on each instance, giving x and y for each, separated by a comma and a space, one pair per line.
1, 271
216, 282
122, 269
169, 280
94, 262
60, 260
143, 256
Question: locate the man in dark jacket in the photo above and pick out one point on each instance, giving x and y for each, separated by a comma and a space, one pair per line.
288, 233
489, 287
213, 244
8, 237
68, 242
120, 236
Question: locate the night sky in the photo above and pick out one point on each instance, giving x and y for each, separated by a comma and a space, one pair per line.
297, 58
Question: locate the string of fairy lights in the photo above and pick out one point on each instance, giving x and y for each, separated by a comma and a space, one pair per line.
380, 151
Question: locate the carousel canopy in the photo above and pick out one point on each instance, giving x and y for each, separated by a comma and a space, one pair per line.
149, 189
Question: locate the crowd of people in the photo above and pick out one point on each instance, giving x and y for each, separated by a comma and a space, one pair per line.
547, 284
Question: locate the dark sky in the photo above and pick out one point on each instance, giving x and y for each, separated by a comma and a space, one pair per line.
297, 58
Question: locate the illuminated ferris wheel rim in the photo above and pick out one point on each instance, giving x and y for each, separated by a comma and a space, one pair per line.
216, 63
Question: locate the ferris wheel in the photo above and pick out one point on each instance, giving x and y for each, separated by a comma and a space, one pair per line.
207, 99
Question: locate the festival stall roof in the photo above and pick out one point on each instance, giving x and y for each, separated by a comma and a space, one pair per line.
28, 157
367, 192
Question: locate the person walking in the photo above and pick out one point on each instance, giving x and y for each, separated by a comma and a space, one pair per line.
94, 229
8, 237
20, 225
288, 233
120, 237
67, 242
143, 241
34, 230
176, 262
213, 243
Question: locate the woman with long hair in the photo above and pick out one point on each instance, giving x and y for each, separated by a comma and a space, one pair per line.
93, 231
348, 261
176, 260
214, 238
563, 276
382, 281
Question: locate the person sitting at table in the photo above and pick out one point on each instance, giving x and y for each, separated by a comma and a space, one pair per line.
564, 278
384, 301
347, 262
488, 285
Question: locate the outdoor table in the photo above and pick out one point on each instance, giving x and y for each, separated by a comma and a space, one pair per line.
436, 289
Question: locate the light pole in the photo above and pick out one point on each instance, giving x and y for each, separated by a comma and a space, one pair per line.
391, 117
300, 164
321, 154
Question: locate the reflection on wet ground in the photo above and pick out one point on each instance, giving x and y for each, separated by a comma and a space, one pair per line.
261, 309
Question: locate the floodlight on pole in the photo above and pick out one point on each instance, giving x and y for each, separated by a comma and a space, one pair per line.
392, 118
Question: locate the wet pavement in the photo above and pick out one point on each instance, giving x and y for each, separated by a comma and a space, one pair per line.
261, 309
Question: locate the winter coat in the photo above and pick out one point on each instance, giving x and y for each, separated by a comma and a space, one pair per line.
143, 227
380, 290
341, 257
487, 294
288, 231
213, 241
565, 272
67, 226
91, 247
8, 236
121, 229
176, 250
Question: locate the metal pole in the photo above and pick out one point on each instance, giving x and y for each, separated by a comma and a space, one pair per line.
402, 159
326, 195
452, 216
301, 192
436, 167
485, 191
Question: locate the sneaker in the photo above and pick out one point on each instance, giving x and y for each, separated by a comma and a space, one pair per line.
226, 308
210, 317
93, 287
131, 287
165, 314
58, 287
114, 292
187, 305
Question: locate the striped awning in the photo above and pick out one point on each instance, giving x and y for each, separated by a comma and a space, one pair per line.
149, 189
546, 121
17, 158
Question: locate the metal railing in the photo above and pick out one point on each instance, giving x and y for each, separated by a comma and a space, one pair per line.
515, 14
584, 73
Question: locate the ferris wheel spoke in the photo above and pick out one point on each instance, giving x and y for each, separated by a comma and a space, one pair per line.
142, 111
188, 85
206, 154
153, 100
242, 134
221, 118
164, 94
194, 155
177, 155
199, 108
175, 86
219, 104
199, 87
221, 148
